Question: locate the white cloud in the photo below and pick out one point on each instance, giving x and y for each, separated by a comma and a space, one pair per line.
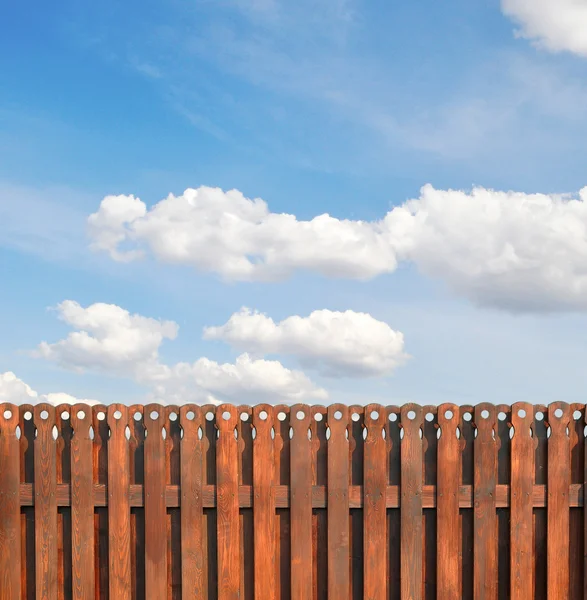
248, 379
509, 250
555, 24
108, 338
16, 391
111, 340
226, 233
339, 343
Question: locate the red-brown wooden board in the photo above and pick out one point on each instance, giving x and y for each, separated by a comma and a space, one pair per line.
246, 437
264, 503
301, 503
155, 511
227, 505
411, 503
374, 504
82, 504
519, 501
448, 533
522, 475
577, 449
46, 556
338, 503
119, 540
429, 465
282, 464
192, 511
10, 527
559, 477
485, 515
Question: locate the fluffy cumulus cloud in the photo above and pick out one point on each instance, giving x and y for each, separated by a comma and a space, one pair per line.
108, 338
555, 24
111, 340
226, 233
510, 250
339, 343
16, 391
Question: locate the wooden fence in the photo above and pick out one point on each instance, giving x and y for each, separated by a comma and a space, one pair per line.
300, 502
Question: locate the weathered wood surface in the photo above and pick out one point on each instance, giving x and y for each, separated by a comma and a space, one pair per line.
291, 502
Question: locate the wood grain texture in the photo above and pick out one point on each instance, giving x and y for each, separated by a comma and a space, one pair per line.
522, 475
411, 503
228, 522
264, 503
45, 503
448, 534
301, 503
155, 512
119, 552
192, 509
559, 477
485, 514
338, 503
82, 504
10, 527
374, 510
244, 511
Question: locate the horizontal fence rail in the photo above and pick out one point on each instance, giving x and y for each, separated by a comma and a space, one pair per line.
292, 502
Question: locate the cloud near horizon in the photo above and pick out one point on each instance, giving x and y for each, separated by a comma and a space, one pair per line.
110, 340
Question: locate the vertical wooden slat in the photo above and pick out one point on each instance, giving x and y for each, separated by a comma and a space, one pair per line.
264, 503
393, 441
338, 503
245, 432
559, 478
540, 435
45, 503
118, 503
281, 451
576, 549
374, 510
227, 506
82, 504
136, 445
522, 475
301, 504
192, 511
429, 465
485, 516
447, 504
411, 503
10, 528
155, 512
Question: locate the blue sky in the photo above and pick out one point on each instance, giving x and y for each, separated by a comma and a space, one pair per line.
344, 107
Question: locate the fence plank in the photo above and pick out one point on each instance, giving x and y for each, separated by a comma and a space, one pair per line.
45, 504
338, 503
264, 503
301, 504
82, 504
411, 503
155, 512
374, 509
485, 515
447, 504
227, 504
10, 528
522, 475
559, 477
192, 510
263, 515
118, 504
